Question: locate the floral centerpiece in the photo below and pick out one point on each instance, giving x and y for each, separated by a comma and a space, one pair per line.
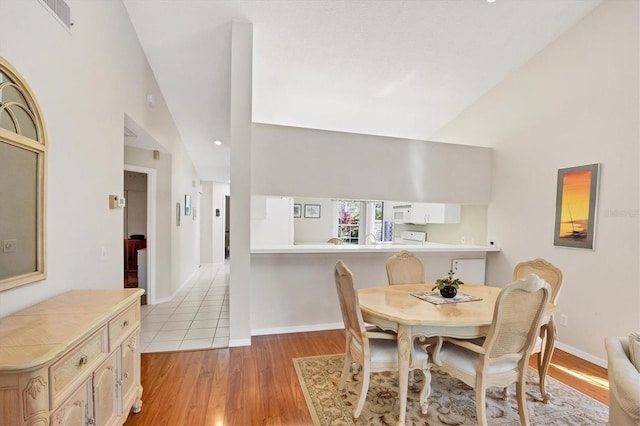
448, 285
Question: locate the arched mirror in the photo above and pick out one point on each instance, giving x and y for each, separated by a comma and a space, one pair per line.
23, 151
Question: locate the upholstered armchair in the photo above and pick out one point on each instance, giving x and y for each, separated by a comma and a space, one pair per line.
624, 383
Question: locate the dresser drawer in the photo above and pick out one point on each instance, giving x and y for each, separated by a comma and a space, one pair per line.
123, 325
77, 364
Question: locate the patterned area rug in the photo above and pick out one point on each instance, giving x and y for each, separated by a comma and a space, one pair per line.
451, 402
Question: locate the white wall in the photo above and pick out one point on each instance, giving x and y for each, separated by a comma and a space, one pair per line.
241, 171
315, 230
299, 162
574, 103
185, 241
85, 82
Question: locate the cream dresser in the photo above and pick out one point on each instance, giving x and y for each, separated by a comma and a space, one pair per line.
73, 359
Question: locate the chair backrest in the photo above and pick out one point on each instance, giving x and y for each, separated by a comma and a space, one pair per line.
336, 241
405, 268
544, 270
349, 304
517, 316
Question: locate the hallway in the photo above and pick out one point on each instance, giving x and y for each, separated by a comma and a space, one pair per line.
197, 318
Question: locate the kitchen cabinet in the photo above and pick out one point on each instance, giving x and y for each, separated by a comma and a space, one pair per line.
424, 213
72, 360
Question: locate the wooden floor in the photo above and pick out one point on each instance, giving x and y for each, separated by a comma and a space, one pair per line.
257, 384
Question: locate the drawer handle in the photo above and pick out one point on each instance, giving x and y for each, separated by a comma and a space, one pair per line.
83, 360
125, 323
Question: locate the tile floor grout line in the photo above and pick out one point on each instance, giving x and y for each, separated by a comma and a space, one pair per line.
193, 288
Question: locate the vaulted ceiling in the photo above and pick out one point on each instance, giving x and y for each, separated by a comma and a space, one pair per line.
382, 67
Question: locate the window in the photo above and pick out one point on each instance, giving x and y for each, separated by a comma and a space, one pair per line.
360, 222
23, 152
349, 221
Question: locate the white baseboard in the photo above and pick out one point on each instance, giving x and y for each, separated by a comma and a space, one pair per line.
175, 293
296, 329
235, 343
581, 354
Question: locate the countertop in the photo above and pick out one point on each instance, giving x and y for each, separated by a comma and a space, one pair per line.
372, 248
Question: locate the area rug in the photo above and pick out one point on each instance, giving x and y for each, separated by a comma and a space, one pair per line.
451, 402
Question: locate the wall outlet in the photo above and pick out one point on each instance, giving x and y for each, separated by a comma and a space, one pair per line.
10, 246
463, 240
564, 320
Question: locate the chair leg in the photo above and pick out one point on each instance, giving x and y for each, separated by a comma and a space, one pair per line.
366, 372
544, 358
522, 401
481, 406
345, 370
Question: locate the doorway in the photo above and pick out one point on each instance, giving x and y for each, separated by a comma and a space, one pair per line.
139, 226
135, 231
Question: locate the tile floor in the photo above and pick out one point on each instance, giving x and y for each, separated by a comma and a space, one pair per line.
197, 318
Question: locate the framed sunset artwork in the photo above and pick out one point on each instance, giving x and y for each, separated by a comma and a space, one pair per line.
576, 203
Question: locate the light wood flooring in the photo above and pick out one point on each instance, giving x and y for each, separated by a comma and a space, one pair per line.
257, 384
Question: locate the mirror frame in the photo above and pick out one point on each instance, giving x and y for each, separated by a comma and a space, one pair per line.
39, 147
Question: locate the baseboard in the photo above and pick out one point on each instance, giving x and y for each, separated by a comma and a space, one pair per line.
235, 343
296, 329
581, 354
175, 293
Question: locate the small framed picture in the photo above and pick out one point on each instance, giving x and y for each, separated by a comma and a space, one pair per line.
187, 205
312, 211
297, 210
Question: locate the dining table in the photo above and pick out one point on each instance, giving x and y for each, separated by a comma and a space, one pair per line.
394, 308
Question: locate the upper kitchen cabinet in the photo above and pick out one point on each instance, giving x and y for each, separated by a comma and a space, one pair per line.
423, 213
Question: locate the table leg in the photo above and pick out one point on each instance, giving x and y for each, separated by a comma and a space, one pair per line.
543, 366
405, 340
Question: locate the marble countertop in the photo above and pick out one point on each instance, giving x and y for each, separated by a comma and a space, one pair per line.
372, 248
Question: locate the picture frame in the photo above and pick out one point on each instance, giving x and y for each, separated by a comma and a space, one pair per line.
576, 206
312, 211
178, 213
297, 210
187, 205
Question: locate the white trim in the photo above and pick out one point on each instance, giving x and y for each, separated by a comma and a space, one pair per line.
151, 229
297, 329
581, 354
175, 293
234, 343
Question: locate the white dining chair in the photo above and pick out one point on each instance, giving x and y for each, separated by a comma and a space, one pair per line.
552, 275
405, 268
503, 357
375, 351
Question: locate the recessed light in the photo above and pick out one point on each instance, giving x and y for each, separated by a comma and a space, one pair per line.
217, 142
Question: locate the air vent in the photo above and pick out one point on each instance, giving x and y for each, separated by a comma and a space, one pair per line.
60, 9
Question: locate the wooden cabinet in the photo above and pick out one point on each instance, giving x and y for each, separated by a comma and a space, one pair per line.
72, 360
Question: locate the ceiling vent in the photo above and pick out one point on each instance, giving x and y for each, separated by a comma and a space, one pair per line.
61, 10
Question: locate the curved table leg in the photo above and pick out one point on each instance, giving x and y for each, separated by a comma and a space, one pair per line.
544, 359
405, 340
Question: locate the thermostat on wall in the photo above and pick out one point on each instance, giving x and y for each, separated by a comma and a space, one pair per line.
116, 201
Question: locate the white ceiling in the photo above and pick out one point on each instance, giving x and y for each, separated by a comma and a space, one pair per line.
381, 67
